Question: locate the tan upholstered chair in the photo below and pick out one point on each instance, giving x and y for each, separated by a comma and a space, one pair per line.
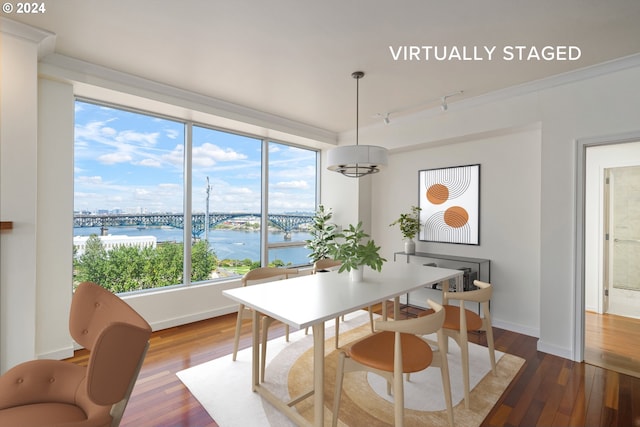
459, 321
396, 350
63, 394
328, 264
252, 277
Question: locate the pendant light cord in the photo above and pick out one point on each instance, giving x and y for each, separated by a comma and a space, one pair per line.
357, 107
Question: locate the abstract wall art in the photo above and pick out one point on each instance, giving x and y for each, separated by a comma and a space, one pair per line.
450, 203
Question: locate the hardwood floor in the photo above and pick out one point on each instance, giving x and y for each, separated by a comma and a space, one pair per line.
613, 342
549, 390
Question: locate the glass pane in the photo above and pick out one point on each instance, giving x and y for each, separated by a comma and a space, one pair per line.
292, 202
226, 186
128, 198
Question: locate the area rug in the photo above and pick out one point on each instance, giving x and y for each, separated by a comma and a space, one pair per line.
223, 387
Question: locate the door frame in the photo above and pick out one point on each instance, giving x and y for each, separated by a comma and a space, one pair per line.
606, 242
582, 145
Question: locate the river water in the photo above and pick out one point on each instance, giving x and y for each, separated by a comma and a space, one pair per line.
231, 244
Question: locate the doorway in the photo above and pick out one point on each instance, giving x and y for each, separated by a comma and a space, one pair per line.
612, 252
622, 241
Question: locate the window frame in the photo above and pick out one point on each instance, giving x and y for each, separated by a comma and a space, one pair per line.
188, 185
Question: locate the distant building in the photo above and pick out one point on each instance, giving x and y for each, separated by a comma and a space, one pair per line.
109, 242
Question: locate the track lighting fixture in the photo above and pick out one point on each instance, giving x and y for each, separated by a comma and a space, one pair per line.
444, 106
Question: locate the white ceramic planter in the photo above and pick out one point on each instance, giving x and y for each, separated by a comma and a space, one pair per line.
409, 247
356, 275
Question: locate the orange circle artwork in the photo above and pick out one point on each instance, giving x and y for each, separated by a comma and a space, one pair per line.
437, 194
456, 216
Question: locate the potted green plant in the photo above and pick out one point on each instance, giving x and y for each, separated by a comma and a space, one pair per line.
322, 234
354, 253
410, 225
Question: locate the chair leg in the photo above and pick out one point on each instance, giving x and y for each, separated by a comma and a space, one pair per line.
371, 319
445, 344
492, 352
286, 332
337, 330
338, 391
266, 322
464, 350
446, 379
236, 339
398, 383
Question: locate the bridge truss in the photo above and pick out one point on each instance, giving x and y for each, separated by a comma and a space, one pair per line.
285, 222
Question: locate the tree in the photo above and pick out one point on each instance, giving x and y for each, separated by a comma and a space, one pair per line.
92, 264
166, 265
130, 268
125, 269
203, 261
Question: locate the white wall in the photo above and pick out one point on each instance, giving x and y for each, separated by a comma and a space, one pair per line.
18, 177
509, 215
604, 101
54, 229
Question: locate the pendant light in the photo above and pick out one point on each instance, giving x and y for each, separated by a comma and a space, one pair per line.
357, 160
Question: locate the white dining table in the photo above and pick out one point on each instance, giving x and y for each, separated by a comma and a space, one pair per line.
310, 300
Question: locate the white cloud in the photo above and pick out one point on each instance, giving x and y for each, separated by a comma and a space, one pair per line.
299, 184
144, 139
171, 133
150, 162
108, 131
175, 156
208, 154
117, 157
170, 186
91, 180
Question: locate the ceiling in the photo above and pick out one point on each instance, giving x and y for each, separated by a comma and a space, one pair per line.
294, 58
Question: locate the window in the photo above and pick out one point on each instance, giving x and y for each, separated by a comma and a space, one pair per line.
227, 184
142, 180
292, 183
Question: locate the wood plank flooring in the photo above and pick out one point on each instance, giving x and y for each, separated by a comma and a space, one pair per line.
613, 342
549, 390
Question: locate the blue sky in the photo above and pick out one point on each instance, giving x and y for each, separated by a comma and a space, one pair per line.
134, 163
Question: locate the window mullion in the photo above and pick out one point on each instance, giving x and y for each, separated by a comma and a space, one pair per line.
188, 139
264, 206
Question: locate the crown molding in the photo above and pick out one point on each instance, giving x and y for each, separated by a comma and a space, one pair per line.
75, 70
45, 40
615, 65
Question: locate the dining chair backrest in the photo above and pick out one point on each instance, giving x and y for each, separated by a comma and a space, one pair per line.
482, 294
326, 264
424, 325
262, 274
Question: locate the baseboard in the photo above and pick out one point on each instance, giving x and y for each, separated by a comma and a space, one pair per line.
514, 327
193, 317
555, 350
61, 354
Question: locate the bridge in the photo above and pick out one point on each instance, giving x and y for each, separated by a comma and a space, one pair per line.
285, 222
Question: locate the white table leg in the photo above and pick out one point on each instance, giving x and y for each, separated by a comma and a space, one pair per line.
255, 350
318, 374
